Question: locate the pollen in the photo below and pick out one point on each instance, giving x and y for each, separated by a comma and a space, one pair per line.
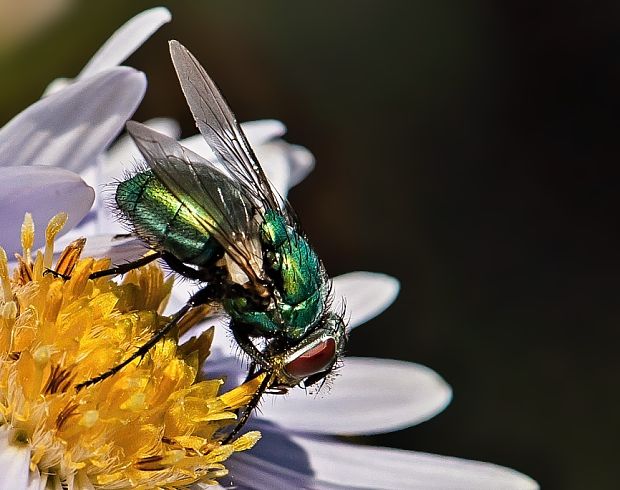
152, 424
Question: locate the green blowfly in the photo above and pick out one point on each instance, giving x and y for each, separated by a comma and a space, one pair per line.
219, 222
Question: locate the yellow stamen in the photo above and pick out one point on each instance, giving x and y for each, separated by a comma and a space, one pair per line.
53, 228
4, 274
151, 425
27, 235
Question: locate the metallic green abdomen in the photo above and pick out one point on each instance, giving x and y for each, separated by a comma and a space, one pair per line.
163, 221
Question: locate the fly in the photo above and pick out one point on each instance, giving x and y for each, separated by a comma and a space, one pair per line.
220, 223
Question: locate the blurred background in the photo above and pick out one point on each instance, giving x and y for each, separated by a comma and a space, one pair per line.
468, 148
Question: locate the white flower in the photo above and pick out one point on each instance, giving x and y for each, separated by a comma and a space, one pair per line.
49, 153
46, 149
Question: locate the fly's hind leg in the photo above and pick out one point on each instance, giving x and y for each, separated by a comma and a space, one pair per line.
205, 295
129, 266
174, 263
112, 271
56, 274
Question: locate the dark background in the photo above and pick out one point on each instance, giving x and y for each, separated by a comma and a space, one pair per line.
469, 149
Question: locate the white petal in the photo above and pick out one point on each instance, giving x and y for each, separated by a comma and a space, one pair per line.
72, 127
197, 144
374, 467
205, 486
366, 295
126, 40
56, 85
258, 132
38, 481
43, 481
165, 125
368, 396
44, 192
247, 472
262, 131
233, 370
14, 462
182, 290
284, 164
85, 228
119, 159
124, 153
119, 249
301, 164
323, 463
273, 157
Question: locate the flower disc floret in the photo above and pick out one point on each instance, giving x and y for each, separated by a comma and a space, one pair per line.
152, 424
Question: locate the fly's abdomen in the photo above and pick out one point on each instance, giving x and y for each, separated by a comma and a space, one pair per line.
162, 220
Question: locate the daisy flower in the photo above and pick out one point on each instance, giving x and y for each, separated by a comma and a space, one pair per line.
53, 154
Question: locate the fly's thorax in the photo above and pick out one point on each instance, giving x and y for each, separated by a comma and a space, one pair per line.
162, 220
295, 266
279, 318
299, 283
295, 269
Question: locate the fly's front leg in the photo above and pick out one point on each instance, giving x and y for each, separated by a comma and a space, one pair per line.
246, 344
252, 372
250, 406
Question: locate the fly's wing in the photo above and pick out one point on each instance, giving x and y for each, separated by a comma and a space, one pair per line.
220, 206
220, 129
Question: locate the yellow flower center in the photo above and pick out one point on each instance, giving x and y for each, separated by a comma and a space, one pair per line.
152, 424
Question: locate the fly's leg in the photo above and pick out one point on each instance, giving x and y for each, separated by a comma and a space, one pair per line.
112, 271
56, 274
250, 349
205, 295
259, 365
141, 352
252, 372
174, 263
124, 268
250, 406
205, 274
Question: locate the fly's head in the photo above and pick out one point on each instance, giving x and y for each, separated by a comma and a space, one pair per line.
313, 358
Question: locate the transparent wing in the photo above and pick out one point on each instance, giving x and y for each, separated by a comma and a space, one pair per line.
221, 207
218, 125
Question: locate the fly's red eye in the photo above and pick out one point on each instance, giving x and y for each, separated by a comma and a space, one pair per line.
313, 361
